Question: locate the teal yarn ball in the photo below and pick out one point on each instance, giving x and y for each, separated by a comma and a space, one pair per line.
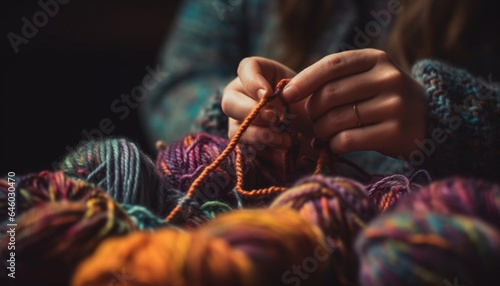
424, 248
120, 167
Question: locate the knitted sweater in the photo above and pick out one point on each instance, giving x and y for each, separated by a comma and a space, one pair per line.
207, 42
209, 38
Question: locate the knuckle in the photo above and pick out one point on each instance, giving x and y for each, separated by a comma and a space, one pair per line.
332, 88
395, 105
244, 62
391, 77
332, 61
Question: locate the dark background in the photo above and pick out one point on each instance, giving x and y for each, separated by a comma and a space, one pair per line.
64, 79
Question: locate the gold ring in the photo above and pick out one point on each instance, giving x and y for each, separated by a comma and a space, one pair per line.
354, 106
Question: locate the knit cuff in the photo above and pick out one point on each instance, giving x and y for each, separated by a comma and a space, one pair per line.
462, 133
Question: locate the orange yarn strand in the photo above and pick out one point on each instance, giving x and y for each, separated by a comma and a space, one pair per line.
252, 193
230, 147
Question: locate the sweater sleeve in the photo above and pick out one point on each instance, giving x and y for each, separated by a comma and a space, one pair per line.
463, 133
200, 57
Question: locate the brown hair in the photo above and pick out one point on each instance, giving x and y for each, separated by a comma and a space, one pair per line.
444, 29
450, 30
302, 23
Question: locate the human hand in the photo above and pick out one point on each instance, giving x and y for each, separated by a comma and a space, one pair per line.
256, 76
391, 106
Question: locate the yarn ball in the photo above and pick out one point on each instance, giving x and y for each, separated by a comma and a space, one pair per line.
242, 247
340, 207
165, 257
52, 238
388, 190
121, 168
415, 248
36, 189
283, 246
457, 195
182, 161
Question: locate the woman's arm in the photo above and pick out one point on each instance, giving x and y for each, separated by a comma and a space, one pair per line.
200, 56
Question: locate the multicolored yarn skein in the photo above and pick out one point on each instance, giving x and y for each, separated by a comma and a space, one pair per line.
182, 162
57, 233
124, 171
243, 247
282, 245
447, 231
340, 207
39, 188
426, 248
457, 195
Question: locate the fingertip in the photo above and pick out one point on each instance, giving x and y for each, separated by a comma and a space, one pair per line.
291, 94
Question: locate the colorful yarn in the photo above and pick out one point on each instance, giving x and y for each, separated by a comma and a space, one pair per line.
207, 171
53, 237
456, 195
143, 218
36, 189
196, 215
417, 248
340, 207
388, 190
123, 170
162, 258
283, 246
184, 161
243, 247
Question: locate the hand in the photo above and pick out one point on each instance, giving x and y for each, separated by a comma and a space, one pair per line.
255, 75
255, 78
391, 105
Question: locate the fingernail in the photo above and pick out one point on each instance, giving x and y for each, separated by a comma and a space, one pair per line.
290, 93
261, 93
